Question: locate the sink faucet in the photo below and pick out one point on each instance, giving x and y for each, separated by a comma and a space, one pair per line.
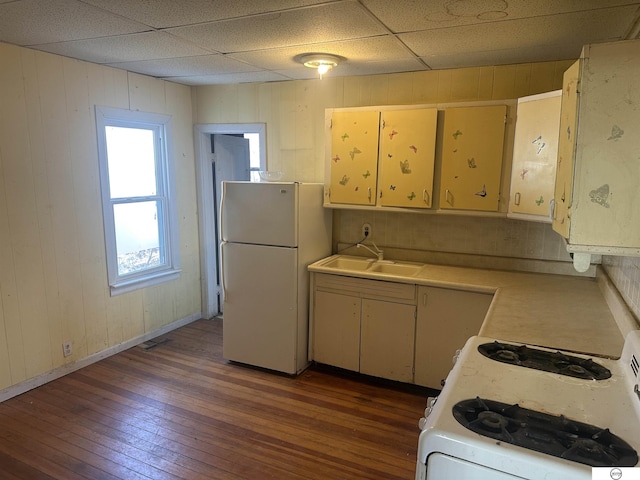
378, 253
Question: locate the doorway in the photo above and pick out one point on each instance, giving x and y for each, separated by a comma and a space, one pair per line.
218, 150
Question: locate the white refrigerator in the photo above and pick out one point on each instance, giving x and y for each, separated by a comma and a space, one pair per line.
271, 232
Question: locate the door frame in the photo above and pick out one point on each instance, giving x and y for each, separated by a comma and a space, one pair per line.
206, 204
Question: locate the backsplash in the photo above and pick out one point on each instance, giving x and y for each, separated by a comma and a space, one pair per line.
490, 236
624, 272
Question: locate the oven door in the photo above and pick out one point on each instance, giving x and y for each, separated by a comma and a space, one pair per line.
441, 466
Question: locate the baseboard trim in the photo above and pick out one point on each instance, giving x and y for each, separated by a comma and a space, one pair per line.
39, 380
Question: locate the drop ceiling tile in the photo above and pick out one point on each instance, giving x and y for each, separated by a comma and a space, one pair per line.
420, 15
186, 66
330, 22
170, 13
354, 51
360, 68
32, 22
503, 57
570, 30
228, 78
125, 48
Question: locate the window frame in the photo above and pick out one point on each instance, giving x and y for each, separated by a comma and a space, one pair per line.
161, 126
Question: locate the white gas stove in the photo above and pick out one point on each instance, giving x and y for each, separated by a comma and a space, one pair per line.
499, 417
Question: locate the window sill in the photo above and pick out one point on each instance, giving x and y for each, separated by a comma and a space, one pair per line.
148, 281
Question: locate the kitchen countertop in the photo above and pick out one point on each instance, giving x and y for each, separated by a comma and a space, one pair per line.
555, 311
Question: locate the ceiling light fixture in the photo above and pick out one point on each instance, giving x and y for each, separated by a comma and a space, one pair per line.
323, 62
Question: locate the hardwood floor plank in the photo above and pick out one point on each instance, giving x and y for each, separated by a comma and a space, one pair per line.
180, 411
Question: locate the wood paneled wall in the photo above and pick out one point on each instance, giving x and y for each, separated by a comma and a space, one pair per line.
294, 111
53, 280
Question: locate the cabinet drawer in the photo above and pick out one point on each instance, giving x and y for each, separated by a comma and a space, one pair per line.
366, 288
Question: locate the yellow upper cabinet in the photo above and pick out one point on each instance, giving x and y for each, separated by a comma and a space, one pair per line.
354, 157
472, 148
535, 152
407, 153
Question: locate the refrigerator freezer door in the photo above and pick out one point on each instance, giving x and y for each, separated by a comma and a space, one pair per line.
260, 213
260, 320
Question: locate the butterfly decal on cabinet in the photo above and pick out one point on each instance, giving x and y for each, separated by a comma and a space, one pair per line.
483, 192
414, 148
404, 167
353, 152
366, 174
600, 195
456, 134
523, 173
539, 143
471, 162
336, 159
392, 134
540, 201
392, 187
344, 180
412, 196
616, 133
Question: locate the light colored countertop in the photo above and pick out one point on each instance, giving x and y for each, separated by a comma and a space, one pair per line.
555, 311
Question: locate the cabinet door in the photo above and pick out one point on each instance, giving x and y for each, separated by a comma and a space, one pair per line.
354, 157
446, 320
336, 332
535, 153
407, 153
566, 148
472, 148
387, 340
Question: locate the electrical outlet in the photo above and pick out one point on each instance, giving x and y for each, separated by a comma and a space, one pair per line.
66, 349
366, 230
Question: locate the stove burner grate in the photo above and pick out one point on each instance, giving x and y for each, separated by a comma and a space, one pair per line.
553, 435
555, 362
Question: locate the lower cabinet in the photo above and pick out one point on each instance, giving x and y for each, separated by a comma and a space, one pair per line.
392, 330
336, 333
364, 325
387, 332
446, 319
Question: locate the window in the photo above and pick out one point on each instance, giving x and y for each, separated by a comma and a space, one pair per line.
138, 201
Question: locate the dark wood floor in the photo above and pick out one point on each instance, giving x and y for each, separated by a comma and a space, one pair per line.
179, 411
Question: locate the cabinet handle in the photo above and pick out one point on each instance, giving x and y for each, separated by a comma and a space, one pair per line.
424, 299
425, 197
369, 194
448, 196
552, 209
516, 200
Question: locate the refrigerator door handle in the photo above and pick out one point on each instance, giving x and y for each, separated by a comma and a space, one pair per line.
222, 198
222, 283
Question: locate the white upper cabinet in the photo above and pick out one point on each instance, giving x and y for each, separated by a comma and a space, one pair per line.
597, 190
535, 153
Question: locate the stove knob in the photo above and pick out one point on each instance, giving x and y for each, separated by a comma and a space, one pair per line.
431, 401
422, 423
455, 357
